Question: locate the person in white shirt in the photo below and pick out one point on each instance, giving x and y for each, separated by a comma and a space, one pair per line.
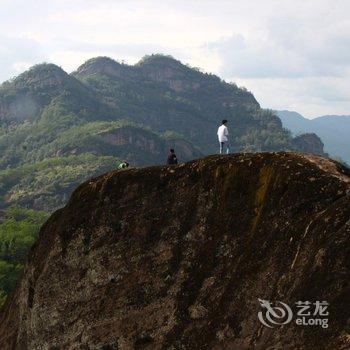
223, 136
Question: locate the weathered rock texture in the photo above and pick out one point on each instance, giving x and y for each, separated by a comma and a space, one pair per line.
136, 145
309, 143
177, 257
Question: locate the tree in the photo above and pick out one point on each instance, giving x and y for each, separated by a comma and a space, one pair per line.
18, 232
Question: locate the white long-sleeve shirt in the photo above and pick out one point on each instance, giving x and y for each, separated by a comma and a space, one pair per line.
223, 133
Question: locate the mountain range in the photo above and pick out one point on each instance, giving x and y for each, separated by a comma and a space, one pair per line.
334, 130
59, 129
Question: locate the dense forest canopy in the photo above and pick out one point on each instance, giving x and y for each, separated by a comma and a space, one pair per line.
18, 230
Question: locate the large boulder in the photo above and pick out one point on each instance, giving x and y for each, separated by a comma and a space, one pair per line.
188, 257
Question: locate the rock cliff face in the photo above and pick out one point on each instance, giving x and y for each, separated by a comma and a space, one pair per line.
148, 145
140, 147
309, 143
177, 258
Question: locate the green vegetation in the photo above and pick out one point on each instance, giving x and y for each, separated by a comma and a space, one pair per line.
48, 184
18, 230
57, 130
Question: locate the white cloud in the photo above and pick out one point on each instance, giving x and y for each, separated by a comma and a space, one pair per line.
312, 96
18, 54
291, 54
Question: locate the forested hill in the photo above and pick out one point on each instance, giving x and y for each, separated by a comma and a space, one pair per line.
58, 129
164, 94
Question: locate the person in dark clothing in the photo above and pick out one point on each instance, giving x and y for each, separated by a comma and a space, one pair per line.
172, 159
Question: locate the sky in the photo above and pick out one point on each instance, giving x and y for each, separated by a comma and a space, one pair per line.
292, 55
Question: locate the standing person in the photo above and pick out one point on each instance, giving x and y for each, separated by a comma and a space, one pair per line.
172, 159
223, 136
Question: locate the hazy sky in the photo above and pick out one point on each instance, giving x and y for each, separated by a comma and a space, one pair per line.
291, 54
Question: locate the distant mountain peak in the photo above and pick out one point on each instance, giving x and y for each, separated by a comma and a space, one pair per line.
41, 74
100, 65
165, 63
333, 130
45, 67
25, 97
159, 59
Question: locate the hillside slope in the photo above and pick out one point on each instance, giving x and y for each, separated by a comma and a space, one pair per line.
107, 112
334, 131
177, 258
165, 94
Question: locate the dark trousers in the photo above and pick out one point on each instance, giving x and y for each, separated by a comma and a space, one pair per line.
223, 145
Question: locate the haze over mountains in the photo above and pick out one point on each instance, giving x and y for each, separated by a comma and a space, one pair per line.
334, 130
58, 129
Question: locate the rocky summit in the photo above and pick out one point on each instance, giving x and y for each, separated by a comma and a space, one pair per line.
189, 257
